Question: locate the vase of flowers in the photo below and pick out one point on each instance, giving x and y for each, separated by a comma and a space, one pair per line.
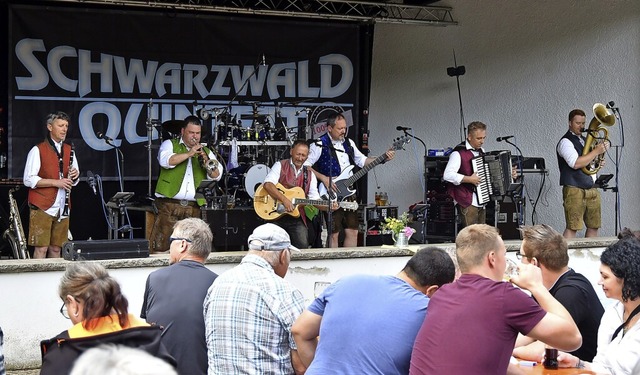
400, 231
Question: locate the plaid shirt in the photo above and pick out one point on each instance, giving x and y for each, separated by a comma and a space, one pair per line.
248, 313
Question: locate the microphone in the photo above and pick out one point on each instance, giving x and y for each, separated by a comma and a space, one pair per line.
611, 105
103, 136
264, 61
500, 139
91, 180
301, 110
402, 128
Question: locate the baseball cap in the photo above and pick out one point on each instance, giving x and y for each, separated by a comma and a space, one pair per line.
270, 237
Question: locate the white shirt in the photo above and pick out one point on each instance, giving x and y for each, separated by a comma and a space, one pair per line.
343, 158
569, 154
274, 176
31, 178
453, 166
622, 355
187, 189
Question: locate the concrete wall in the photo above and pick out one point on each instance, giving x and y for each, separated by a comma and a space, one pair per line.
528, 64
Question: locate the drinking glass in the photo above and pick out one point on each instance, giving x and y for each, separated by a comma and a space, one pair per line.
511, 270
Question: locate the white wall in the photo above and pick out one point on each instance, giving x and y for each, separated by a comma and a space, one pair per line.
528, 64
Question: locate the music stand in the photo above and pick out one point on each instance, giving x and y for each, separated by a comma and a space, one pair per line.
118, 202
206, 190
602, 181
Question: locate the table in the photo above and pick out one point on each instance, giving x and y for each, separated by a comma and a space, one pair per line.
540, 370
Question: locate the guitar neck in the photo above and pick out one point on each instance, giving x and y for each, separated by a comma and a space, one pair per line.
356, 176
312, 202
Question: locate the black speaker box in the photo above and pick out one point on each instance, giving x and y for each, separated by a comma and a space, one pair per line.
239, 224
105, 249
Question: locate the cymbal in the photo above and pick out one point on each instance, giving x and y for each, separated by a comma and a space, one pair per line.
252, 116
173, 126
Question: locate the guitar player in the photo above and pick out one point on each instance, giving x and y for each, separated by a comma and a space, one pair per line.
326, 161
290, 173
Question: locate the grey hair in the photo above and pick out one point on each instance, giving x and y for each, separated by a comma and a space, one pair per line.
51, 117
198, 232
120, 360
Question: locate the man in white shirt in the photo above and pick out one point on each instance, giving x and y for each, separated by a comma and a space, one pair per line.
50, 172
461, 177
184, 163
331, 158
580, 198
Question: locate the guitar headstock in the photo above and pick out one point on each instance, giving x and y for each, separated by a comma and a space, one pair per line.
352, 206
399, 142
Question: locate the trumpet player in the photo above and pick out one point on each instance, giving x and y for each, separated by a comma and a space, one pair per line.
184, 163
50, 172
580, 198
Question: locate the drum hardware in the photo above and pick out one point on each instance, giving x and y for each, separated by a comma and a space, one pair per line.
173, 126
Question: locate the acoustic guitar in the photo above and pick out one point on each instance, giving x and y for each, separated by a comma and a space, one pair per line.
269, 208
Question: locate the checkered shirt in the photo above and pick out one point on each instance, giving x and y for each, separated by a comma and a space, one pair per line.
248, 313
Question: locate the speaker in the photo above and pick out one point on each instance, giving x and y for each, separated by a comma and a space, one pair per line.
231, 235
105, 249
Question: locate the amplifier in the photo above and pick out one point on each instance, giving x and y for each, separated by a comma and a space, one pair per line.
105, 249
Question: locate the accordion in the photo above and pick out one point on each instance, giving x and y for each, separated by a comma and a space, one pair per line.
494, 169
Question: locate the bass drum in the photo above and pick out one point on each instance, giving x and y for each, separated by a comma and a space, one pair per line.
254, 177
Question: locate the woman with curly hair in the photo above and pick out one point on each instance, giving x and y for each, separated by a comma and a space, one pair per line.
94, 303
619, 332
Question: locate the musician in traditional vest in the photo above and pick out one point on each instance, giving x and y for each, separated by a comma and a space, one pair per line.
291, 173
184, 163
50, 172
327, 161
580, 198
461, 178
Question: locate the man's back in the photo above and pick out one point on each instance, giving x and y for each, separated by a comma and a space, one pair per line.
249, 311
577, 295
471, 327
173, 299
369, 324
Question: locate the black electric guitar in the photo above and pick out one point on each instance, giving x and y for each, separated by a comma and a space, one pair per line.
344, 182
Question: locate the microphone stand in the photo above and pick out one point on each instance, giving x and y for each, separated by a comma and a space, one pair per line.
125, 228
330, 192
521, 202
424, 162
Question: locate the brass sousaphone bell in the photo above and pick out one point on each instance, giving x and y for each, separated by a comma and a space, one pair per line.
597, 134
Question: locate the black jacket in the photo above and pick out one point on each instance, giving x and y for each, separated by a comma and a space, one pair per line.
60, 353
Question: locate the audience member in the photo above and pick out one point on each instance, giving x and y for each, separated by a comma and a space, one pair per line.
363, 333
249, 310
92, 300
472, 323
619, 334
547, 249
174, 295
2, 369
120, 360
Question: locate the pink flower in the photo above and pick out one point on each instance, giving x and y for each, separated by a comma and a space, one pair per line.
408, 231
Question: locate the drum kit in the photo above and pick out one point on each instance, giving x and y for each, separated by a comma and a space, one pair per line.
249, 151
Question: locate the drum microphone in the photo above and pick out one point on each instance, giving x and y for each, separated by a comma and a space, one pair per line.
500, 139
402, 128
103, 136
91, 180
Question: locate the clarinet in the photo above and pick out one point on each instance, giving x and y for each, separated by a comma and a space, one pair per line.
65, 210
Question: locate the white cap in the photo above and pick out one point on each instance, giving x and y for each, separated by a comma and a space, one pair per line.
270, 237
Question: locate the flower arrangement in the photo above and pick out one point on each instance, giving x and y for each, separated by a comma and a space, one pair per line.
398, 225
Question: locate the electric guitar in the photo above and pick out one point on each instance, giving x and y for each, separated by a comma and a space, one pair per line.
344, 182
270, 209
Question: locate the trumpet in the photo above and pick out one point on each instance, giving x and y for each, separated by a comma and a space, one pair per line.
207, 164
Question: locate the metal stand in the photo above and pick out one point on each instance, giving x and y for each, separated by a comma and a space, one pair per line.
117, 206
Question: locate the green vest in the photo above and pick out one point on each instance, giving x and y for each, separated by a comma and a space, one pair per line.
170, 180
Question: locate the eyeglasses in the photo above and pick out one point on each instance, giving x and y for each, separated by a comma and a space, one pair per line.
171, 239
63, 311
519, 255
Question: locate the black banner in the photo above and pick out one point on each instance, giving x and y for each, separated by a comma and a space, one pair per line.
123, 73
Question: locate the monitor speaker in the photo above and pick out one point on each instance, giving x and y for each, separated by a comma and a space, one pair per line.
105, 249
